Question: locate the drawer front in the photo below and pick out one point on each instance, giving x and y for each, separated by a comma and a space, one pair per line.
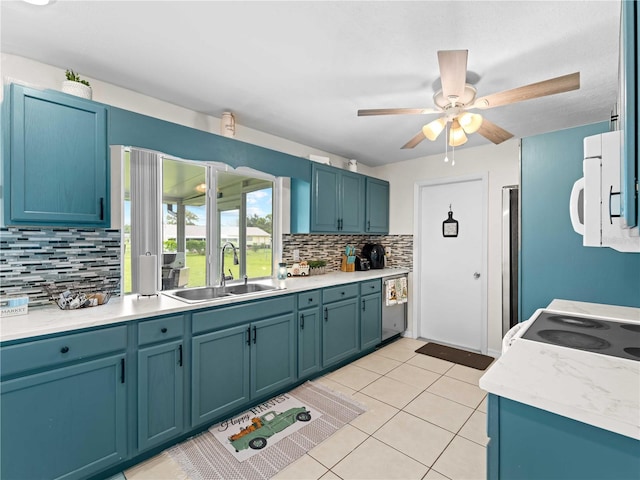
370, 286
341, 292
308, 299
160, 329
224, 317
67, 348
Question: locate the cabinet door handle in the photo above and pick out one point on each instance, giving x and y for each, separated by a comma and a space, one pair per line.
180, 355
364, 306
368, 224
326, 314
255, 334
163, 329
101, 208
122, 370
64, 349
302, 321
248, 335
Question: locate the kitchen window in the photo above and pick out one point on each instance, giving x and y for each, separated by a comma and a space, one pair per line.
185, 212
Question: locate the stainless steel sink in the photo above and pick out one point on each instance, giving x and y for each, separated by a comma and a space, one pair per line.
204, 294
248, 288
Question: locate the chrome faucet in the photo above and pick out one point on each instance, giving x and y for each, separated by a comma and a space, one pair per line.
223, 277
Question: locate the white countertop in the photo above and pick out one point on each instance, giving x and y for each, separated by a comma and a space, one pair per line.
596, 389
50, 319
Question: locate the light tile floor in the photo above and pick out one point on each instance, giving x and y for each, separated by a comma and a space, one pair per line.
426, 419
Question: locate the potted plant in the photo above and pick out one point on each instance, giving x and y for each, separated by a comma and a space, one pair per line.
317, 267
75, 86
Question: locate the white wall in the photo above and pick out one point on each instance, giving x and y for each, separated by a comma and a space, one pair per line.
39, 75
501, 162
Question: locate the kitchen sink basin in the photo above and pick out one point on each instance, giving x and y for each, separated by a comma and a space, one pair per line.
248, 288
204, 294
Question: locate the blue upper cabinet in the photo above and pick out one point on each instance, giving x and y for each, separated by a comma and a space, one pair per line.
629, 108
56, 161
377, 206
337, 200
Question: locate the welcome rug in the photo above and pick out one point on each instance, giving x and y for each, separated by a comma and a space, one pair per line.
263, 440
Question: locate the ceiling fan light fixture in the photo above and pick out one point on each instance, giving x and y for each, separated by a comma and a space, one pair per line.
456, 134
432, 129
470, 122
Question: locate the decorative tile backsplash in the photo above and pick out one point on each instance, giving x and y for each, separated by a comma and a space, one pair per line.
31, 257
331, 248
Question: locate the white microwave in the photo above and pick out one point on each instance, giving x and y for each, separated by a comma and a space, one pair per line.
594, 206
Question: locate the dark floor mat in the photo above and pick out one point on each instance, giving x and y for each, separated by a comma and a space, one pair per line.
455, 355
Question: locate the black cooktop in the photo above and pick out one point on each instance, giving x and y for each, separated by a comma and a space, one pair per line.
608, 337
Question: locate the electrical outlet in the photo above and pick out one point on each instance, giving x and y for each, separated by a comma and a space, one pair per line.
296, 255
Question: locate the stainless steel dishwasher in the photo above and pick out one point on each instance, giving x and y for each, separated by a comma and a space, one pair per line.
394, 305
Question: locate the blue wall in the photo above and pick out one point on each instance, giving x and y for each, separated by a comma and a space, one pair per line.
553, 262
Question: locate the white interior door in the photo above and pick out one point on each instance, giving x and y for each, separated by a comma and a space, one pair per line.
452, 284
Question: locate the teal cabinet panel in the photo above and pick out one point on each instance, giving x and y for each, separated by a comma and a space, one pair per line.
58, 165
370, 320
160, 393
309, 336
351, 195
337, 200
530, 443
340, 331
220, 373
325, 199
377, 206
273, 350
67, 423
629, 52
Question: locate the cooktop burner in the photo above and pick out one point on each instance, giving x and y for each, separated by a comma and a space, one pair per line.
608, 337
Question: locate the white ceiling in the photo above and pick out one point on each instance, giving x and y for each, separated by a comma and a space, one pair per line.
301, 70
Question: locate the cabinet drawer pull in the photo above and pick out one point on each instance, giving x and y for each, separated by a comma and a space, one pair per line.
310, 299
302, 321
64, 349
180, 355
163, 329
255, 334
326, 314
342, 293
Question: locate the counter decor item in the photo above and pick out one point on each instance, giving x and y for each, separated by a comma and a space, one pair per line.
10, 306
298, 269
73, 85
282, 271
73, 294
317, 267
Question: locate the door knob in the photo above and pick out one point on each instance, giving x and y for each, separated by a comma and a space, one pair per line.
476, 275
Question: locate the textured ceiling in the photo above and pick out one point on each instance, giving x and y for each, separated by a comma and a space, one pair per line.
301, 70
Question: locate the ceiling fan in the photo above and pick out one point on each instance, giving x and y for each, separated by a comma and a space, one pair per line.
457, 97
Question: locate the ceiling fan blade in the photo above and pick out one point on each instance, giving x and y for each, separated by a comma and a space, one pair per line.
415, 140
492, 132
396, 111
565, 83
453, 71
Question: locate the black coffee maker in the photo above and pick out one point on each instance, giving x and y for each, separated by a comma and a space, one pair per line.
374, 252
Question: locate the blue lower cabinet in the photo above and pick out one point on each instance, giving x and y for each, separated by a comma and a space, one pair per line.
530, 443
340, 331
273, 352
309, 336
160, 394
67, 423
235, 365
370, 320
220, 373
